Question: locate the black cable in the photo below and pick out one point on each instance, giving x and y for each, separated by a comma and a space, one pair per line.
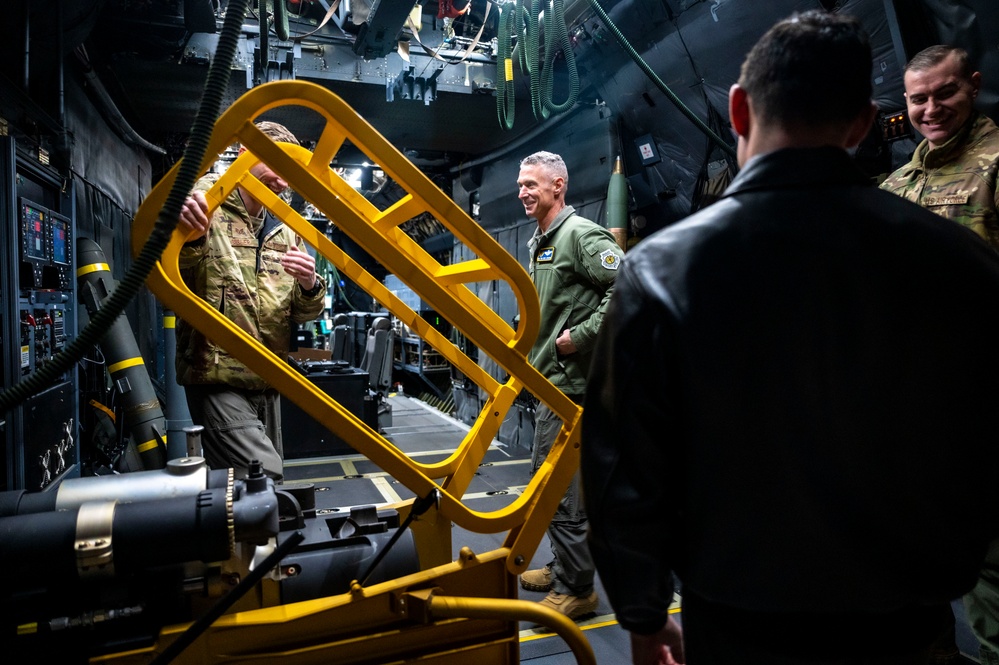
216, 87
264, 52
419, 507
644, 66
225, 602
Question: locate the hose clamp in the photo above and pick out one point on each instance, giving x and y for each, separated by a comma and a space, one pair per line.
93, 546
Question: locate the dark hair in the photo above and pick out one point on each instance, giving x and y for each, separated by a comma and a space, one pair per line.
934, 55
812, 68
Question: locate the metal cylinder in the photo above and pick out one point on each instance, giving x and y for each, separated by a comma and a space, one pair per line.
181, 477
106, 538
178, 416
194, 447
617, 205
143, 414
186, 476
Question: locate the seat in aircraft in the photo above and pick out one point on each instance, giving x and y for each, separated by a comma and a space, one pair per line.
341, 339
377, 362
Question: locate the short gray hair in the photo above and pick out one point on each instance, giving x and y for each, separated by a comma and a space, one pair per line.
550, 162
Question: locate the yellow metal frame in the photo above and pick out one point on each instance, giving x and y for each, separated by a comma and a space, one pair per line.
455, 614
444, 287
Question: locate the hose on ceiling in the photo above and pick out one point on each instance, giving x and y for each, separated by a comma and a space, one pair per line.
525, 24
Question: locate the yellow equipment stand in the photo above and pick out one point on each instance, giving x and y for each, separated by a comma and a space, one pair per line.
452, 611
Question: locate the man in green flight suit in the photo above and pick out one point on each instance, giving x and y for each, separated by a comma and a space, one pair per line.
573, 264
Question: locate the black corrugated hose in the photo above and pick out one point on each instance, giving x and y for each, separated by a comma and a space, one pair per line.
505, 101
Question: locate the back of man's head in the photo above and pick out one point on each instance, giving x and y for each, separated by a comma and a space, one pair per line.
276, 131
812, 68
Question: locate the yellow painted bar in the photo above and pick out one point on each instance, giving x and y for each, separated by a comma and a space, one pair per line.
376, 624
476, 270
443, 287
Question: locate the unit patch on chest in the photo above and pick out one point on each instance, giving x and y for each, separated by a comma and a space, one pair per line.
546, 255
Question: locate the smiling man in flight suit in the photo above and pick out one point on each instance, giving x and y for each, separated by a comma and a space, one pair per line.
573, 264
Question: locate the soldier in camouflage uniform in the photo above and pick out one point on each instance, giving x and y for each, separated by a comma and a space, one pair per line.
953, 171
246, 263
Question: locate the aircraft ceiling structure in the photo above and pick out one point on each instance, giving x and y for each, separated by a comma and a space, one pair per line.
149, 58
152, 57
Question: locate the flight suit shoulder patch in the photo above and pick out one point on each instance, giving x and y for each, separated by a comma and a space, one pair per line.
609, 259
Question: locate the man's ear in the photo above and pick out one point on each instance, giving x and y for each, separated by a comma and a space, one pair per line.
738, 109
861, 126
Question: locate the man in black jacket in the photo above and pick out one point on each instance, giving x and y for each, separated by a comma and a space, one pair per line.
792, 390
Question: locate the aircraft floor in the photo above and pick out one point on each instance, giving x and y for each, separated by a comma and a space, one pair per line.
426, 433
429, 435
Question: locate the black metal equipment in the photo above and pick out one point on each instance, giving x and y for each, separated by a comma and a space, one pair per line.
38, 319
102, 564
143, 413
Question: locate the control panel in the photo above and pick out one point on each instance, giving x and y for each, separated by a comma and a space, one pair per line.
46, 283
43, 321
40, 438
38, 320
895, 126
46, 248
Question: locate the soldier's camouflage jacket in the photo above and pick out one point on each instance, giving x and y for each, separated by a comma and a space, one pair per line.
956, 180
237, 270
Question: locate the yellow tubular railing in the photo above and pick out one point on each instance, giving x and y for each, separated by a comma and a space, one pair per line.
434, 606
444, 287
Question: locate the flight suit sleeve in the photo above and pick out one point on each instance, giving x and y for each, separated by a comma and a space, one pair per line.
598, 257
